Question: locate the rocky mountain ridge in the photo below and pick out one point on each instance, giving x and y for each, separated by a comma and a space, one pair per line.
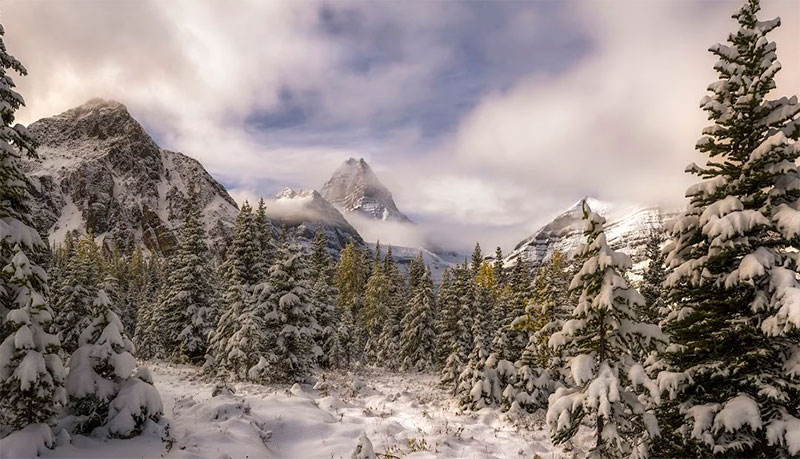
98, 171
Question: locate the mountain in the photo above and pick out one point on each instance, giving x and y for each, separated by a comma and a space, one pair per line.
304, 211
99, 171
627, 225
355, 188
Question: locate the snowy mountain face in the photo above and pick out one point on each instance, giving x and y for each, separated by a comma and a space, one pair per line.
627, 228
99, 171
304, 211
355, 188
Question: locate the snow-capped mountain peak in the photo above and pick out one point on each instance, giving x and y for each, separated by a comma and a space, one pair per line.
354, 187
627, 226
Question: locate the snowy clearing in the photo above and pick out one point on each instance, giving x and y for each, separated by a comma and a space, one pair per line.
403, 415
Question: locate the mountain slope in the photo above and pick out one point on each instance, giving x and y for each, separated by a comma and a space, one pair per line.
353, 187
626, 228
99, 171
304, 211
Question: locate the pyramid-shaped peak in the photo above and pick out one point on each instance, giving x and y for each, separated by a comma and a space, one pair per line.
353, 187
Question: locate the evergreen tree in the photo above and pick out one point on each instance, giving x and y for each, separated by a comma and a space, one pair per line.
418, 335
350, 280
77, 289
600, 341
265, 234
376, 308
447, 317
389, 341
460, 321
31, 371
499, 269
416, 271
148, 337
134, 294
322, 292
108, 394
240, 276
734, 326
286, 300
188, 309
477, 260
475, 381
653, 278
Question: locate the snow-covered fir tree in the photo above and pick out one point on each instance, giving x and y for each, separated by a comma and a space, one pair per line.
78, 287
189, 307
653, 277
599, 342
476, 383
323, 294
461, 339
31, 371
265, 234
418, 338
734, 360
350, 279
499, 268
416, 270
290, 315
226, 358
376, 308
476, 261
108, 394
147, 337
447, 316
389, 342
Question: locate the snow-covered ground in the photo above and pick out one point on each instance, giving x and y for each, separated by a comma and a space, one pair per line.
403, 415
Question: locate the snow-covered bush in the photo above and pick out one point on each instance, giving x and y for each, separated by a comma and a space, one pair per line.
108, 394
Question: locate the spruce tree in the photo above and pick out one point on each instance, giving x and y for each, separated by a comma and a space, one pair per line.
461, 339
286, 301
376, 308
148, 337
418, 338
323, 294
108, 395
653, 277
73, 301
240, 277
475, 381
350, 280
499, 268
188, 310
733, 363
416, 271
31, 371
265, 234
600, 341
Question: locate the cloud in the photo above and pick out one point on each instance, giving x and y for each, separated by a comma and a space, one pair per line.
484, 119
620, 124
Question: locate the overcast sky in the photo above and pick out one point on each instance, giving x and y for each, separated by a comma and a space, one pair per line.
483, 118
